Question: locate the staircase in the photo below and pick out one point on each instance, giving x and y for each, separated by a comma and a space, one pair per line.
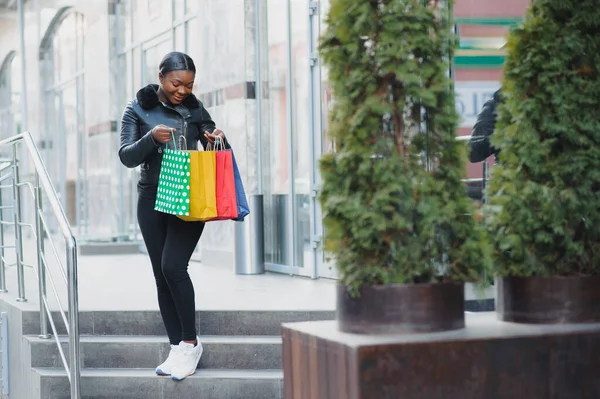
119, 350
112, 354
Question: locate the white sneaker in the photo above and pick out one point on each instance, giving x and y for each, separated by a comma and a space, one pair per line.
166, 367
186, 360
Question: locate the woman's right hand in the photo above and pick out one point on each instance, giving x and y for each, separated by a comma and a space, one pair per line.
162, 134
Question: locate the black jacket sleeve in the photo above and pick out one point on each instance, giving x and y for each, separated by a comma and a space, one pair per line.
134, 147
208, 125
483, 129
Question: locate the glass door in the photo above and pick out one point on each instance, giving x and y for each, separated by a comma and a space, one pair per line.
324, 265
287, 139
294, 139
65, 144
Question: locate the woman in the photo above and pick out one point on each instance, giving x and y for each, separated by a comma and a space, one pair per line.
149, 123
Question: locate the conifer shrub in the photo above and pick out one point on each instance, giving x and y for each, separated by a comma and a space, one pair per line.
544, 207
395, 208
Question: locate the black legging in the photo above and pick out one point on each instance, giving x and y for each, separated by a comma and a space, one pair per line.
170, 242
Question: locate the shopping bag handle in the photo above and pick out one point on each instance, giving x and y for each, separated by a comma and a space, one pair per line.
173, 138
184, 147
177, 143
218, 145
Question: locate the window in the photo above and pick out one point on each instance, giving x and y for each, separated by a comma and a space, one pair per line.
10, 88
152, 57
65, 139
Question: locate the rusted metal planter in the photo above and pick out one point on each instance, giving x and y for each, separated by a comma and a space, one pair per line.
549, 300
402, 308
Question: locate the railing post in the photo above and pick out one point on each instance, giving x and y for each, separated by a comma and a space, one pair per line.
485, 172
75, 366
2, 245
40, 235
17, 221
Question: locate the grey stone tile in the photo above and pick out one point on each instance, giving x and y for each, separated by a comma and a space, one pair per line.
225, 389
218, 322
121, 388
246, 323
241, 356
128, 323
141, 384
321, 315
54, 388
249, 353
46, 354
480, 305
57, 387
31, 323
122, 355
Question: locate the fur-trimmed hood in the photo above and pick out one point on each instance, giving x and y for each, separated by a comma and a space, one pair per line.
148, 98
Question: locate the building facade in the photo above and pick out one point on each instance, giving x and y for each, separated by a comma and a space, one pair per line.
258, 74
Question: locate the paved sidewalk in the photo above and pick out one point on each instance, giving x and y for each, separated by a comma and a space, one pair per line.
125, 282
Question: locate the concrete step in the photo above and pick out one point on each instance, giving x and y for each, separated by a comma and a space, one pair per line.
220, 352
144, 384
209, 322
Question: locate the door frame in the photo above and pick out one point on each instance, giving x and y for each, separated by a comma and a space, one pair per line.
323, 267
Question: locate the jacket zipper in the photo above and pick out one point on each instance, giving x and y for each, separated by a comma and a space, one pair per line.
184, 133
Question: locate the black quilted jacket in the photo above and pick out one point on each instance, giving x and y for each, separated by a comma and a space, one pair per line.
146, 111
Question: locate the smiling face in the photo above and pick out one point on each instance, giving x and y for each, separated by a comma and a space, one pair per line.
177, 85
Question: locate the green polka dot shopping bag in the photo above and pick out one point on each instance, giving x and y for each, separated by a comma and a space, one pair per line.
186, 185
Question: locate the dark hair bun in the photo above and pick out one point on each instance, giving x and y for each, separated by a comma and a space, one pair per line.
176, 61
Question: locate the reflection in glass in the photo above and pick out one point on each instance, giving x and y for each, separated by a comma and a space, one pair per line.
193, 5
152, 58
134, 9
10, 91
65, 142
150, 16
10, 96
301, 131
180, 38
179, 9
276, 166
216, 41
327, 265
327, 144
197, 36
65, 49
125, 33
137, 70
287, 177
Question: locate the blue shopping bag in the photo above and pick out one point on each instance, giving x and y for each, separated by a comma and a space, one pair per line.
240, 194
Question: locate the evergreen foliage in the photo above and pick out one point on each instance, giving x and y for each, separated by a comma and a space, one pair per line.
389, 218
545, 193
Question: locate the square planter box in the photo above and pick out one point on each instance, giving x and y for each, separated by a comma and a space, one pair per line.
489, 359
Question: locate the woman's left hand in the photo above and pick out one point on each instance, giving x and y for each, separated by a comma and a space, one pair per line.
216, 134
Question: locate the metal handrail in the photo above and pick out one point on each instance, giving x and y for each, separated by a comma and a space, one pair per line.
43, 185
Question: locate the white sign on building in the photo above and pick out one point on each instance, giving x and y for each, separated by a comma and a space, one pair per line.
470, 97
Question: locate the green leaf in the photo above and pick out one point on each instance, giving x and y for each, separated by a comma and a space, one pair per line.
544, 193
389, 219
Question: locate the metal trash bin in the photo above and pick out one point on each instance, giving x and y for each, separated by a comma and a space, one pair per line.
249, 250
